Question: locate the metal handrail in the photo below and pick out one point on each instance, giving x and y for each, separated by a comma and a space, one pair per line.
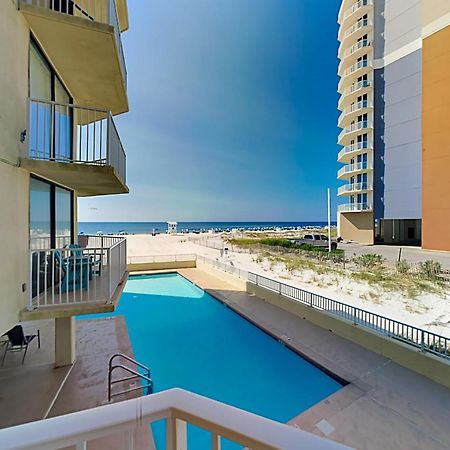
427, 341
134, 374
68, 133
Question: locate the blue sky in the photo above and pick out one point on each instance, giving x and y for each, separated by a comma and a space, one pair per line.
232, 112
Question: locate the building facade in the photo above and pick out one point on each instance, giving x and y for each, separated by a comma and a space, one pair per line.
394, 86
62, 79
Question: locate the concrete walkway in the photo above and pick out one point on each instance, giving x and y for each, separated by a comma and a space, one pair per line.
385, 406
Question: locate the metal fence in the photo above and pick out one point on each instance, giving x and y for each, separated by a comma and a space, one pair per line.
68, 133
226, 267
76, 275
417, 337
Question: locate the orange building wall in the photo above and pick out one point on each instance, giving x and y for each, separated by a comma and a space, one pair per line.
436, 141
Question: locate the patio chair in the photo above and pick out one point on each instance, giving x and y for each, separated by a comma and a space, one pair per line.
19, 342
76, 272
78, 252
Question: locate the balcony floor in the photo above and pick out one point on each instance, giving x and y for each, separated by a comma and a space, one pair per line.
87, 179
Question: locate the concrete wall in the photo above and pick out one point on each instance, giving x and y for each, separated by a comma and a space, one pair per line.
396, 23
436, 141
14, 38
437, 369
144, 266
397, 137
356, 226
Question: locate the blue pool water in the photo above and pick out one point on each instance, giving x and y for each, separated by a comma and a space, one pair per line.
192, 341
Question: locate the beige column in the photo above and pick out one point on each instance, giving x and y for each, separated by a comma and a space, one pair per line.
64, 341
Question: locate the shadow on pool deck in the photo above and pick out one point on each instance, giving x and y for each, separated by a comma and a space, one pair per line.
385, 406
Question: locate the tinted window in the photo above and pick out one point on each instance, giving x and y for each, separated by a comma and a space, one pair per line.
317, 237
308, 236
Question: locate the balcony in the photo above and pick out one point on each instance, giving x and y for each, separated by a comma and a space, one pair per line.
118, 422
351, 55
347, 17
350, 169
356, 70
353, 91
351, 112
350, 151
355, 207
349, 189
355, 32
353, 129
76, 147
70, 281
82, 40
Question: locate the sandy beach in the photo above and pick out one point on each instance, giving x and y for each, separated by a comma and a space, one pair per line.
428, 311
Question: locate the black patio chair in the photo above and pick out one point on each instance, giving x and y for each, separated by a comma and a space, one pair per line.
18, 342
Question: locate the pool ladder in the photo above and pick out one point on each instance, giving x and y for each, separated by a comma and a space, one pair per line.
134, 374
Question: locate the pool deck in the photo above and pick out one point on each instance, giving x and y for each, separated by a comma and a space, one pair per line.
384, 406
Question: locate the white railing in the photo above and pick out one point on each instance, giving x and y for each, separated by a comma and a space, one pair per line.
354, 187
359, 146
39, 242
225, 267
72, 134
179, 408
102, 11
76, 275
160, 258
355, 207
356, 167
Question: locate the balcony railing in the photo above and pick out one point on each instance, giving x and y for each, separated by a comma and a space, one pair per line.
178, 407
68, 133
355, 207
357, 46
355, 7
75, 275
353, 89
354, 187
363, 104
102, 11
358, 65
353, 148
354, 168
362, 23
361, 125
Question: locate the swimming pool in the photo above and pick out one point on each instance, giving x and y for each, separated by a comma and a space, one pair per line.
192, 341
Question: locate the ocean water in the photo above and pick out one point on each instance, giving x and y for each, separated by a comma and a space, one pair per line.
148, 227
192, 341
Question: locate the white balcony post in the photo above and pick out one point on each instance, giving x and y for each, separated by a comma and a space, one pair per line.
176, 434
30, 284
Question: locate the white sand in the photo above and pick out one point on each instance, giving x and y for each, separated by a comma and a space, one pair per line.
428, 311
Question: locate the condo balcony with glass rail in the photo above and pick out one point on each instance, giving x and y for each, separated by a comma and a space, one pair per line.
351, 169
351, 188
356, 31
352, 130
355, 207
355, 90
352, 150
75, 279
348, 16
351, 54
82, 39
352, 73
350, 113
76, 147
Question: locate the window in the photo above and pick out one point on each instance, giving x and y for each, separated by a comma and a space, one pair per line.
51, 215
50, 127
308, 236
